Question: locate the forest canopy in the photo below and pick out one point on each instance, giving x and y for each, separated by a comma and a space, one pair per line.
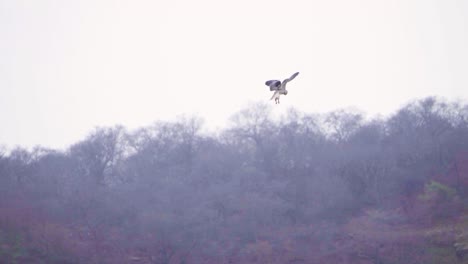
304, 188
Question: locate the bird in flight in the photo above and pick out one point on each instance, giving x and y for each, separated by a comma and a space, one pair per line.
279, 87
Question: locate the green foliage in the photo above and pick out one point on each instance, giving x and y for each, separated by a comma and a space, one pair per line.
436, 189
12, 247
15, 249
443, 255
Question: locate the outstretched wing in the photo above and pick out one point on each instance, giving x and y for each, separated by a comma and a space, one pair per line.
273, 84
283, 85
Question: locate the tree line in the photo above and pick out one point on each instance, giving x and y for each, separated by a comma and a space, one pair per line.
262, 190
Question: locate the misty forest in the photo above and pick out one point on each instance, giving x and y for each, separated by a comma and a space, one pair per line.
336, 187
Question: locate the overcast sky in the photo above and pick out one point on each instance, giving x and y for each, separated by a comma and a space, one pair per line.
69, 66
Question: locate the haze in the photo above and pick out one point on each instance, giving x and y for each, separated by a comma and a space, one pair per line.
143, 132
69, 66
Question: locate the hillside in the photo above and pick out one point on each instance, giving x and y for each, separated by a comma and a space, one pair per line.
306, 188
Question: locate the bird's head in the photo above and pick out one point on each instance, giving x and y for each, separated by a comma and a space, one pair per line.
286, 92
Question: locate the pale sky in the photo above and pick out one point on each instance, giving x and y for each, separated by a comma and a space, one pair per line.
69, 66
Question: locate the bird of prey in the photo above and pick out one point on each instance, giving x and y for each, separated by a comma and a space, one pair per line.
279, 87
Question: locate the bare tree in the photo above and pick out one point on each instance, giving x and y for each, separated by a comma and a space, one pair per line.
98, 155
